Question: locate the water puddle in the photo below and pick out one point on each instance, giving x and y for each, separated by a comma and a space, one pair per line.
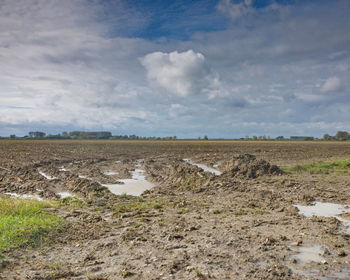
217, 165
307, 254
110, 172
337, 275
325, 209
25, 196
314, 253
204, 167
82, 176
134, 186
62, 169
48, 177
65, 194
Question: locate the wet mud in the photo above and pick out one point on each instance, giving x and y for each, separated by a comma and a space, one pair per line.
244, 222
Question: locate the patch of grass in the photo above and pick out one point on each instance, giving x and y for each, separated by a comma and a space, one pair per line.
71, 202
198, 273
241, 212
24, 222
129, 197
182, 210
261, 212
162, 223
138, 207
216, 211
125, 273
323, 167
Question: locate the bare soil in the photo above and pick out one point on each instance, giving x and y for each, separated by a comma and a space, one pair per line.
193, 224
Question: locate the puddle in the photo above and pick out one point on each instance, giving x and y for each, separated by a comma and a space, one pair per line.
62, 169
82, 177
307, 254
48, 177
110, 172
336, 275
25, 196
325, 209
204, 167
314, 253
65, 194
217, 165
134, 186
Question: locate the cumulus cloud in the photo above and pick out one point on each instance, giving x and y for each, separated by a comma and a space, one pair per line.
58, 67
183, 74
65, 65
332, 84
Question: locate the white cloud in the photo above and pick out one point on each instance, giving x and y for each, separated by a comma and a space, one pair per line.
236, 10
177, 110
182, 74
63, 64
332, 84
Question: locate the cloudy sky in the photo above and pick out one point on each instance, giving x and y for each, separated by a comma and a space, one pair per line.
188, 68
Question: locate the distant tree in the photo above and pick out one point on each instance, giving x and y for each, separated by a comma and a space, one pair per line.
279, 137
342, 135
255, 137
39, 134
205, 137
12, 136
36, 134
326, 137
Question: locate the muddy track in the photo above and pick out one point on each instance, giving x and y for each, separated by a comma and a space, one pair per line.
192, 225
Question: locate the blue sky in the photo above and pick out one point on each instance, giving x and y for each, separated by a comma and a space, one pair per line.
220, 68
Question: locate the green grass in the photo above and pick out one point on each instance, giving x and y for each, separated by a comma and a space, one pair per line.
24, 222
323, 167
71, 202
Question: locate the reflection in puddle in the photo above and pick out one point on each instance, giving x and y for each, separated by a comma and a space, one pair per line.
110, 172
307, 254
204, 167
25, 196
326, 210
48, 177
134, 186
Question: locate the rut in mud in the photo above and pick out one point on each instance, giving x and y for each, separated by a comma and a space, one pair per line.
193, 224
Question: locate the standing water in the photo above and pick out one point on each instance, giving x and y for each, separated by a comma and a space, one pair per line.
325, 209
134, 186
204, 167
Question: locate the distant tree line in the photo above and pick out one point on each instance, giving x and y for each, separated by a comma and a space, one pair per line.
89, 135
340, 136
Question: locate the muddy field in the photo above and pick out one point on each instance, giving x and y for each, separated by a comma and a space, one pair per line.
207, 210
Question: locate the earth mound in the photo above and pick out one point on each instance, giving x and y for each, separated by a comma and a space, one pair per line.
249, 166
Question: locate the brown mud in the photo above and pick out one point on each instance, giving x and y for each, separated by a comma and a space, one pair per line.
193, 224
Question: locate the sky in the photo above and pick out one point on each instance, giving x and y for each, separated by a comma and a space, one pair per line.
224, 68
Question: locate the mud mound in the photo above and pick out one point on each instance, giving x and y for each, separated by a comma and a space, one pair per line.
178, 175
248, 166
87, 188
